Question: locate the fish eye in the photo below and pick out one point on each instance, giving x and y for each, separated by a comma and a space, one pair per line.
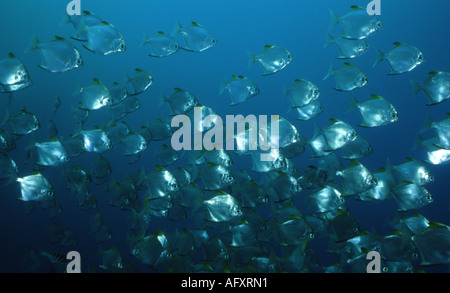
385, 269
311, 235
355, 229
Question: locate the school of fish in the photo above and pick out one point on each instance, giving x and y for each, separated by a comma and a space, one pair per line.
229, 232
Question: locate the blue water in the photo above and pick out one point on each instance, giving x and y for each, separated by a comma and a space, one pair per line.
240, 26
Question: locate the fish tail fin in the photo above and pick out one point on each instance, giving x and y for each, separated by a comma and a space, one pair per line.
162, 100
415, 87
34, 43
330, 72
379, 58
12, 179
30, 155
353, 104
328, 41
389, 165
177, 28
65, 20
78, 89
285, 91
334, 19
223, 85
33, 141
7, 117
418, 143
428, 123
316, 133
252, 59
82, 26
45, 254
144, 40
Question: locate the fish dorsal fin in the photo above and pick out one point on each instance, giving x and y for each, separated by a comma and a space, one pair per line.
244, 222
177, 89
406, 182
416, 214
340, 212
196, 24
356, 7
158, 233
317, 131
85, 12
138, 70
97, 81
11, 56
348, 64
58, 38
333, 120
397, 44
161, 33
433, 73
53, 139
241, 77
298, 80
375, 97
267, 47
220, 192
354, 163
397, 232
295, 217
160, 168
409, 159
364, 251
252, 182
436, 225
234, 77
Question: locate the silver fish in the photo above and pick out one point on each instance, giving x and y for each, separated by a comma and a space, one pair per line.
272, 59
58, 55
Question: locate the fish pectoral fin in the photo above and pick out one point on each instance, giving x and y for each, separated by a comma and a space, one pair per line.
89, 49
44, 67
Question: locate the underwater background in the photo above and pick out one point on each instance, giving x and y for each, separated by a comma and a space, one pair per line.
240, 26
